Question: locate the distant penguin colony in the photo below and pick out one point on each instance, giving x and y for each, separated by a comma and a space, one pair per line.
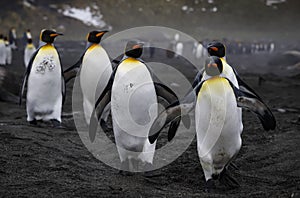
129, 90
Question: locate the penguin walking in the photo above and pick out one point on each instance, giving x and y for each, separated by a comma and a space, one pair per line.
95, 71
45, 83
2, 51
217, 104
133, 95
28, 52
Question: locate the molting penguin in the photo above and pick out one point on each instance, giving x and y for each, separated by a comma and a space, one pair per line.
217, 103
29, 50
133, 95
45, 82
95, 71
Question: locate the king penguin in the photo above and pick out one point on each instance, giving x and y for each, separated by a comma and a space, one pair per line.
95, 71
217, 103
45, 83
29, 50
133, 95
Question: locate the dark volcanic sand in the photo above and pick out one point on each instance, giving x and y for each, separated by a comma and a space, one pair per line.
46, 162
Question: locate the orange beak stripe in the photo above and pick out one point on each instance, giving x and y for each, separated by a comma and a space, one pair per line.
53, 35
214, 49
99, 34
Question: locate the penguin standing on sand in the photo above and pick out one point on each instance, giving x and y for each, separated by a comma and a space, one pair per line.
217, 105
45, 83
133, 96
29, 50
2, 50
95, 71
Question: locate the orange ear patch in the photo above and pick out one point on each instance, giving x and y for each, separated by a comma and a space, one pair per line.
212, 65
136, 46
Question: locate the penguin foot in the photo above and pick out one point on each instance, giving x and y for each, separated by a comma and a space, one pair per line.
125, 173
149, 172
209, 185
227, 180
232, 165
104, 125
33, 122
56, 123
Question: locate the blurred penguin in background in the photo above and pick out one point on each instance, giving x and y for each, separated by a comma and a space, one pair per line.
199, 50
178, 46
8, 51
29, 50
27, 35
12, 37
2, 51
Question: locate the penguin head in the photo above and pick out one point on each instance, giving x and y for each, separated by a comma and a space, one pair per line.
216, 48
48, 36
134, 49
213, 66
95, 36
29, 41
1, 36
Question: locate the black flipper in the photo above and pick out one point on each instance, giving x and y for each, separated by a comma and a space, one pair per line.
172, 113
63, 83
251, 101
101, 103
72, 71
244, 87
197, 79
166, 93
96, 114
26, 75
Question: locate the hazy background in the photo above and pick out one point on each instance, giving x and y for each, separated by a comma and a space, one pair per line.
203, 19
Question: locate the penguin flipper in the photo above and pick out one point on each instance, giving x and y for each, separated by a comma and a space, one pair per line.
26, 75
96, 114
243, 86
173, 112
264, 114
63, 88
197, 79
101, 103
72, 71
252, 102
